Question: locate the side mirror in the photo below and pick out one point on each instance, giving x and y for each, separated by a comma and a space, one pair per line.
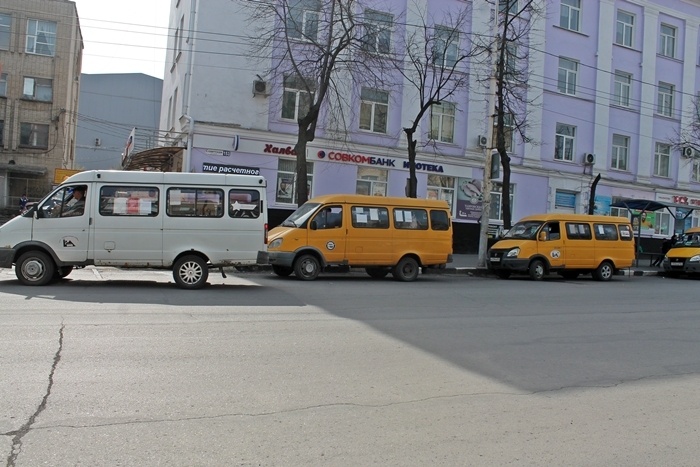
314, 225
543, 236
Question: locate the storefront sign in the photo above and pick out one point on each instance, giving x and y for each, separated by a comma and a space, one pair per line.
373, 160
229, 169
686, 200
271, 149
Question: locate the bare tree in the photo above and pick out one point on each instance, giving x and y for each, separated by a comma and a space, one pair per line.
314, 47
511, 77
434, 65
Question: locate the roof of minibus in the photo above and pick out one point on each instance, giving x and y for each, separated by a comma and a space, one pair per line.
379, 201
558, 216
133, 176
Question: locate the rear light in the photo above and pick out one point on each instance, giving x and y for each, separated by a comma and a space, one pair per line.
265, 233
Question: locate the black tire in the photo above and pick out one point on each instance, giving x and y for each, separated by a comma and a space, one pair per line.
190, 272
63, 271
604, 272
282, 271
503, 274
307, 267
377, 273
407, 270
569, 275
35, 268
537, 270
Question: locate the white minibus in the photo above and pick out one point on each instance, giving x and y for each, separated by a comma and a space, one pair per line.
186, 222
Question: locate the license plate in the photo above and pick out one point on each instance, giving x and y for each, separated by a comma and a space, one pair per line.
676, 263
495, 260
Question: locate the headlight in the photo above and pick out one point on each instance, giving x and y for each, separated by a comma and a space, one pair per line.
694, 259
276, 243
513, 253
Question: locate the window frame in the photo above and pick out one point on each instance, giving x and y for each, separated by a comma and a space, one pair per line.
295, 94
624, 31
3, 84
375, 179
441, 187
38, 136
287, 173
662, 160
439, 115
372, 101
497, 201
445, 46
564, 144
33, 38
619, 158
665, 100
37, 85
303, 20
622, 90
695, 171
377, 30
5, 31
570, 15
667, 40
567, 76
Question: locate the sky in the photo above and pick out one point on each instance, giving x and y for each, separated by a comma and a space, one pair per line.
128, 36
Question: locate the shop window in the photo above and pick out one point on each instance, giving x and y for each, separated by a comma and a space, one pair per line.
441, 187
496, 211
286, 180
663, 223
372, 181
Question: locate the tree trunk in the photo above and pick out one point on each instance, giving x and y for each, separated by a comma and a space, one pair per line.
302, 187
412, 179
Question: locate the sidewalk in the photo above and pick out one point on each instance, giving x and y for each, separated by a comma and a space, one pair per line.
467, 264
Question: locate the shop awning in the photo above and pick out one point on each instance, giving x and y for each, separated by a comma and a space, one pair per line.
651, 205
162, 159
23, 169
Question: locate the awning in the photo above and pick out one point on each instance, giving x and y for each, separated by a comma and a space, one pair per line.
162, 159
651, 205
23, 169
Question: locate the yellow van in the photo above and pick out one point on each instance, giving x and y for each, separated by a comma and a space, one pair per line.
684, 257
567, 244
380, 234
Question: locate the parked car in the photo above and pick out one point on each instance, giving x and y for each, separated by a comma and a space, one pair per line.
684, 257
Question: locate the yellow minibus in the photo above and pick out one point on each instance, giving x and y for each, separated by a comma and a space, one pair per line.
379, 234
567, 244
684, 257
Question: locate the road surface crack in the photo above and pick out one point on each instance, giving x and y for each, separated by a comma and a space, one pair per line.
24, 429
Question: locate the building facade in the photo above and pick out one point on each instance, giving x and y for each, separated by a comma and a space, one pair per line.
611, 86
40, 60
111, 106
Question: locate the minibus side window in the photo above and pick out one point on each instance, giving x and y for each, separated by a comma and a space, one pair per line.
439, 220
129, 200
244, 203
369, 217
411, 219
605, 231
195, 202
330, 217
578, 231
552, 231
625, 232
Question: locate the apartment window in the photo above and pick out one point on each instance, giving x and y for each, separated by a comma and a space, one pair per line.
496, 209
664, 106
662, 159
508, 130
286, 180
667, 41
623, 87
33, 135
695, 174
568, 71
374, 110
625, 28
442, 122
620, 152
564, 142
510, 6
441, 187
446, 47
41, 37
39, 89
3, 84
377, 32
5, 26
371, 181
302, 22
570, 14
296, 100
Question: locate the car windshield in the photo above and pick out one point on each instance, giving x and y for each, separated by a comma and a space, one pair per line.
689, 240
301, 215
527, 230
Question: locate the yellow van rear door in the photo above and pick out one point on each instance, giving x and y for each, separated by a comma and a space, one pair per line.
327, 233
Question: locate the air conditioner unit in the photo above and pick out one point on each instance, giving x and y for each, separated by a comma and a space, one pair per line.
259, 87
688, 152
483, 141
589, 159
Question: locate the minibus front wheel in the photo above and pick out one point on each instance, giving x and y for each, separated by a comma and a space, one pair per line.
537, 270
307, 267
35, 268
407, 269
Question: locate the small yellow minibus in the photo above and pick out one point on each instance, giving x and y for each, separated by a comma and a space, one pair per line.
684, 257
379, 234
567, 244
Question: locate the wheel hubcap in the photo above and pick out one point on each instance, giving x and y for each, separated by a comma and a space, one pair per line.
33, 269
190, 272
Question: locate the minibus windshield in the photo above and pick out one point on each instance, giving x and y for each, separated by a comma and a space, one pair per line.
527, 230
301, 215
691, 240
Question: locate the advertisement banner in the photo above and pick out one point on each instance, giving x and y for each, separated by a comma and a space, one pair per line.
469, 199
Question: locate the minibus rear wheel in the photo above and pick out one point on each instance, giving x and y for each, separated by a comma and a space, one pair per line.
407, 269
35, 268
190, 272
307, 267
604, 272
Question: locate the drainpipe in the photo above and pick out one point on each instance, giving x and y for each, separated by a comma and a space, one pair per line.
187, 159
187, 97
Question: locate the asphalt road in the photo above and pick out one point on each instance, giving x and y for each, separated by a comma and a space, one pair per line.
118, 367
